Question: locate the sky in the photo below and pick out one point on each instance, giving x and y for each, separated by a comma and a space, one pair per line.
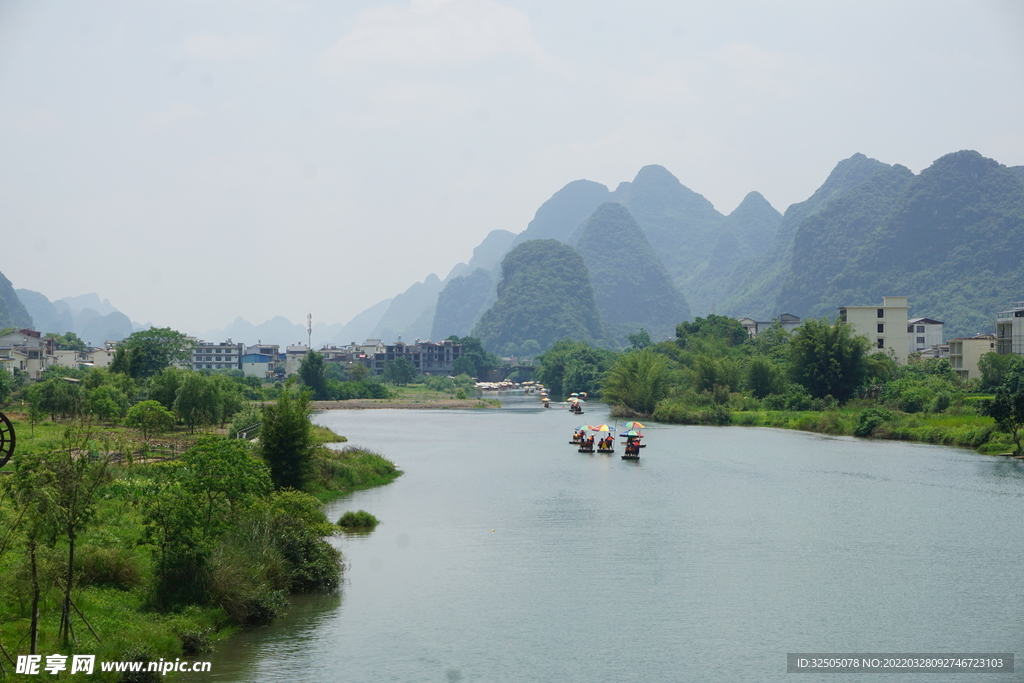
194, 162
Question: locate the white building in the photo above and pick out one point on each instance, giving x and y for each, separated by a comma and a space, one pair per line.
223, 356
788, 321
884, 326
923, 333
1010, 330
965, 352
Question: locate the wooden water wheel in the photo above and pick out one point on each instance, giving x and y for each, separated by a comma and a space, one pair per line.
6, 439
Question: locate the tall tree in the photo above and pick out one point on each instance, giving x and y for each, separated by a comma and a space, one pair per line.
1007, 408
313, 374
146, 353
286, 443
637, 381
828, 360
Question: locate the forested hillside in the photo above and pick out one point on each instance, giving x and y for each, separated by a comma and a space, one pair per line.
544, 295
632, 289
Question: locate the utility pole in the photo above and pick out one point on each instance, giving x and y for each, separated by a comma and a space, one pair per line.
309, 331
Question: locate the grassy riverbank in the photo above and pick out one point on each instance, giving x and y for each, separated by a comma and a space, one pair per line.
959, 426
120, 611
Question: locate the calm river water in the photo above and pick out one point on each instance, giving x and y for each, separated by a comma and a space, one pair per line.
505, 555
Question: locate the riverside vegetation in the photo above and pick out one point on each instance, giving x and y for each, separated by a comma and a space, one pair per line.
134, 525
819, 378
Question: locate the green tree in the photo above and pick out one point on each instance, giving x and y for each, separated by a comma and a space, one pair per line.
6, 385
828, 360
68, 341
570, 366
197, 402
1007, 408
357, 372
286, 443
996, 367
57, 397
399, 372
640, 340
719, 327
163, 386
149, 417
313, 375
107, 403
763, 377
637, 381
144, 354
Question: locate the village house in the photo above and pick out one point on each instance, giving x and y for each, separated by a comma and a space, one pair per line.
1010, 330
884, 326
965, 352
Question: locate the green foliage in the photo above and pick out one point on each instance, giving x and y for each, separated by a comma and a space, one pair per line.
637, 381
196, 403
399, 371
570, 366
106, 403
763, 377
996, 368
870, 419
285, 441
828, 360
344, 391
150, 417
1007, 407
719, 327
474, 360
544, 295
359, 520
68, 341
146, 353
6, 386
57, 397
640, 340
163, 386
312, 374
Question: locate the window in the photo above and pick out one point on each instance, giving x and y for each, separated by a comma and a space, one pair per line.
920, 340
881, 328
881, 343
881, 313
920, 329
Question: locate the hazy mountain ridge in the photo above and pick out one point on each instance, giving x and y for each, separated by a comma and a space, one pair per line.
632, 288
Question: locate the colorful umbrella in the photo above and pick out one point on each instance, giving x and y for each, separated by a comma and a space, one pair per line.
600, 428
632, 425
631, 433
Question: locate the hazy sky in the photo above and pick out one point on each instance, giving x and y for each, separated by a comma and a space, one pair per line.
197, 161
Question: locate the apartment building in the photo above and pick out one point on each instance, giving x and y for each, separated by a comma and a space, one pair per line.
1010, 330
884, 326
226, 355
965, 352
923, 333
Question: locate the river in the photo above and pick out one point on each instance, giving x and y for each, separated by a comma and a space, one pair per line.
506, 555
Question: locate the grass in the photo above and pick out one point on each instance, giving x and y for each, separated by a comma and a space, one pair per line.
360, 520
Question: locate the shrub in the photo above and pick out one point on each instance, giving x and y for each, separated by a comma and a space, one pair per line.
112, 567
870, 419
360, 520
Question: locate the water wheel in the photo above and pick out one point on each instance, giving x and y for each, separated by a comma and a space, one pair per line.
6, 439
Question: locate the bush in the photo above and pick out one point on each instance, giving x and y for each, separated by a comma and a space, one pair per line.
360, 520
870, 419
109, 567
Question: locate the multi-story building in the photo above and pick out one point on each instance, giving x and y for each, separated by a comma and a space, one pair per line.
429, 358
226, 355
884, 326
26, 351
261, 360
965, 352
1010, 330
294, 355
923, 333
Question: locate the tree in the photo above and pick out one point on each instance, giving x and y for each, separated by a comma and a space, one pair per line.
996, 367
399, 372
313, 374
570, 366
1007, 408
196, 402
640, 340
150, 417
68, 341
828, 360
286, 442
106, 403
719, 327
357, 372
637, 381
763, 377
6, 384
57, 397
144, 354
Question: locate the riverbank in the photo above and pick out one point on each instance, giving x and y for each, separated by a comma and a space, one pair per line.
963, 428
407, 403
